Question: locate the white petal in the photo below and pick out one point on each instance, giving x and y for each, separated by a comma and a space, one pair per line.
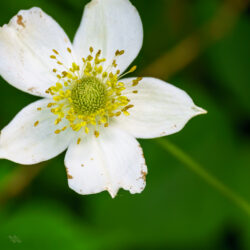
110, 25
159, 109
26, 44
24, 143
112, 161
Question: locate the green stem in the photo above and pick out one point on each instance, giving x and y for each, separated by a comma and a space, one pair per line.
200, 171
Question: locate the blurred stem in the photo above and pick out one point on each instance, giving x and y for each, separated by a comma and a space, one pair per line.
200, 171
191, 47
17, 180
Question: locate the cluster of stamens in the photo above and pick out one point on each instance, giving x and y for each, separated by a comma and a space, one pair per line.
88, 96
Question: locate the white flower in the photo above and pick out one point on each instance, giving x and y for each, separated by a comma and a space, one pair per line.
86, 107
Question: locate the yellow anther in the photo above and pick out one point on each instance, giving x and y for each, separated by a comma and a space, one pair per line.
64, 128
114, 63
111, 75
89, 58
69, 50
59, 85
57, 121
98, 53
133, 69
50, 104
55, 51
53, 57
39, 109
99, 70
36, 123
91, 49
136, 81
75, 67
105, 74
79, 141
121, 52
96, 134
121, 84
76, 127
58, 131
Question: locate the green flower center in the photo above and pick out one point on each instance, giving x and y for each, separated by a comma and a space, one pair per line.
88, 95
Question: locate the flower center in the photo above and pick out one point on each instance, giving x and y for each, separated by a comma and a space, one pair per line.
88, 95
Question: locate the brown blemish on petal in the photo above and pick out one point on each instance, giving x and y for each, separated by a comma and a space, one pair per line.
20, 20
33, 90
68, 175
144, 174
141, 151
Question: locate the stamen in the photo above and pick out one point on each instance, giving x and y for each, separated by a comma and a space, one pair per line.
55, 51
36, 123
136, 81
133, 69
96, 134
89, 96
79, 141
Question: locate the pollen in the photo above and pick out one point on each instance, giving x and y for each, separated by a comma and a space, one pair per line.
88, 96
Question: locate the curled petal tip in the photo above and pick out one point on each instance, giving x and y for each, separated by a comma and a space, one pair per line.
199, 111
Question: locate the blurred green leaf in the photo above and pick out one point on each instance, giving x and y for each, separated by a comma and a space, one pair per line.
43, 225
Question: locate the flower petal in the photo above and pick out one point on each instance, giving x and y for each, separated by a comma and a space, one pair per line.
26, 44
159, 109
29, 138
110, 25
112, 161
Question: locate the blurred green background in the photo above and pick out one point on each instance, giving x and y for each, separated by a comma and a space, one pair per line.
200, 46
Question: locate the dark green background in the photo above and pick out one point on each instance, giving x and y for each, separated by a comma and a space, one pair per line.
177, 210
